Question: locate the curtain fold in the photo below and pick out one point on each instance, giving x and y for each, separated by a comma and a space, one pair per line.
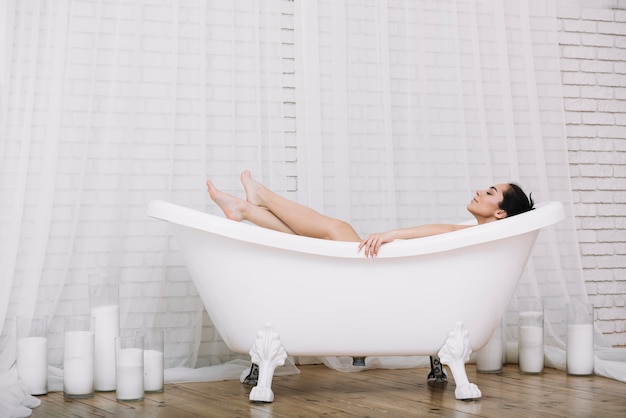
402, 109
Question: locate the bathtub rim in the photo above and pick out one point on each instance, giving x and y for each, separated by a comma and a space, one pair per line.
544, 214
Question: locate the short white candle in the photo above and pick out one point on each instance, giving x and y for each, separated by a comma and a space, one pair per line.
153, 370
580, 358
530, 349
489, 358
32, 364
106, 328
129, 374
78, 363
511, 352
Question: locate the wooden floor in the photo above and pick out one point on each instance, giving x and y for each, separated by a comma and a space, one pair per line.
319, 391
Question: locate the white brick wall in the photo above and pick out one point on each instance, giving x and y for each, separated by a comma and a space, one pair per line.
593, 66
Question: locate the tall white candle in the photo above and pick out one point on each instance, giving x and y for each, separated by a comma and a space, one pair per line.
153, 370
130, 374
106, 328
78, 364
580, 357
530, 349
32, 364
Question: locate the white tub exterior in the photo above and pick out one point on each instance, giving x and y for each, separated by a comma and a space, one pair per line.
324, 298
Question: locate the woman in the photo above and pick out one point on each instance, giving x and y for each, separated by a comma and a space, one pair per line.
265, 208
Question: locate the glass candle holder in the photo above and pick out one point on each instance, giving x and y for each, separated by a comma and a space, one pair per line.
490, 358
32, 353
129, 368
580, 355
78, 358
103, 301
153, 366
530, 348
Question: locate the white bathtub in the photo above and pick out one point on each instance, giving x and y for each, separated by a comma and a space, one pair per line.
272, 294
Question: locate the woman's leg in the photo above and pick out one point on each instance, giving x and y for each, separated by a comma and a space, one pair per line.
300, 219
239, 210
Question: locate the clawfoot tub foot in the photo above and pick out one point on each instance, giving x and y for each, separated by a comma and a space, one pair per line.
454, 354
268, 353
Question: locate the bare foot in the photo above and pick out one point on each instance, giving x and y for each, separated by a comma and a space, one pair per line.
252, 188
231, 206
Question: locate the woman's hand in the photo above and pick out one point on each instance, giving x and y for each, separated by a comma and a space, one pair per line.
372, 243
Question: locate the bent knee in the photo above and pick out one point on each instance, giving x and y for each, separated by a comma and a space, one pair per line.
342, 231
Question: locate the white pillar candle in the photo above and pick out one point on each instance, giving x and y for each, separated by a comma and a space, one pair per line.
106, 328
511, 352
32, 364
530, 327
579, 352
530, 349
489, 358
153, 370
129, 374
580, 357
78, 364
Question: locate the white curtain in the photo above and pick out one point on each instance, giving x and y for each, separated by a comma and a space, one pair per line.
402, 109
105, 106
405, 108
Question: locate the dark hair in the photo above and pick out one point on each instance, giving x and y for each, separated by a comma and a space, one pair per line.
515, 201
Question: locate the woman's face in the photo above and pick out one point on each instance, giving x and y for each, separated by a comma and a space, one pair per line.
485, 206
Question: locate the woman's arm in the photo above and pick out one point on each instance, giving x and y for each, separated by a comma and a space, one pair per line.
372, 243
